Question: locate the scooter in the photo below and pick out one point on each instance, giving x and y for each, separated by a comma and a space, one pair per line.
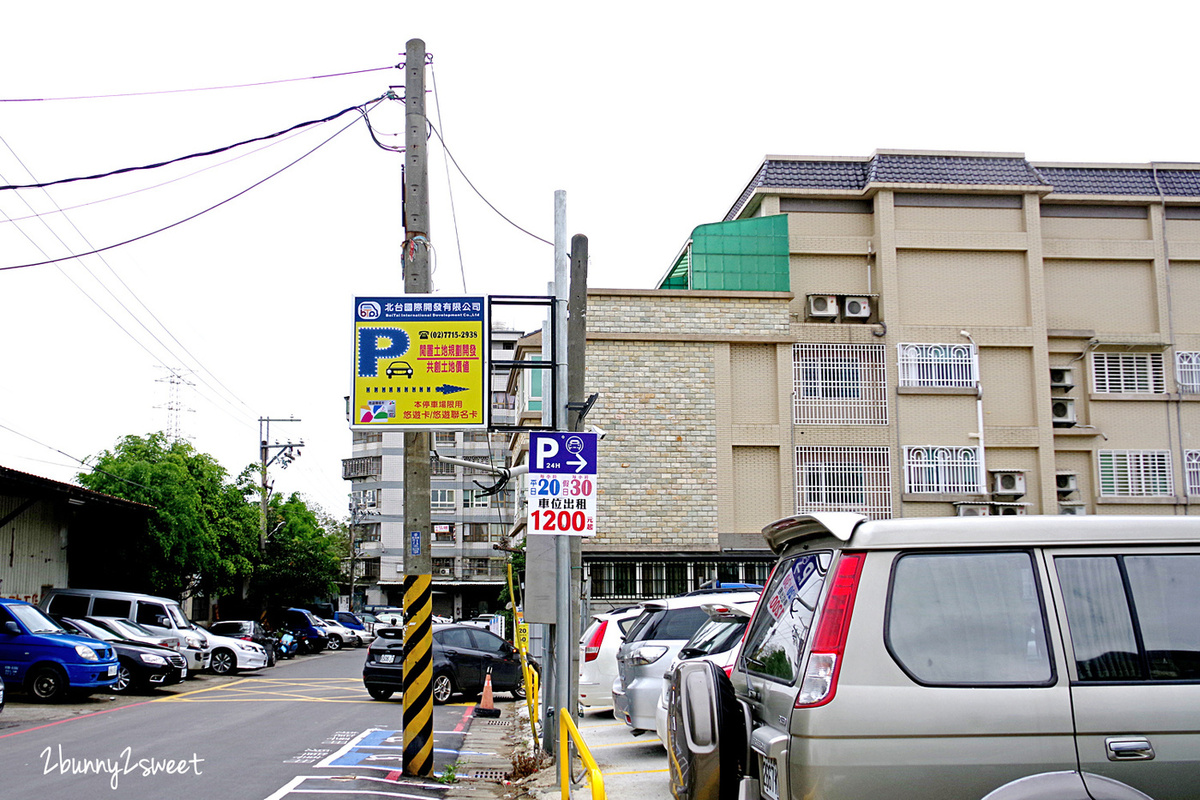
286, 645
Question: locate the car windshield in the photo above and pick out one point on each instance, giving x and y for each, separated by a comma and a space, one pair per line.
35, 619
127, 628
95, 631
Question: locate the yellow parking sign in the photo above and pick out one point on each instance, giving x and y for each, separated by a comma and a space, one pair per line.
420, 363
523, 636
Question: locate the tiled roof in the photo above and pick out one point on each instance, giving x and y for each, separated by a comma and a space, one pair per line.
966, 170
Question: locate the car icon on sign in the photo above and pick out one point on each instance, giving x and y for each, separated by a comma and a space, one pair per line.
399, 368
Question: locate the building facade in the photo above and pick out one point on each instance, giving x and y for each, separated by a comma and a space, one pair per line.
904, 334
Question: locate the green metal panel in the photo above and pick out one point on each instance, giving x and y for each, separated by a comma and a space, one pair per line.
741, 255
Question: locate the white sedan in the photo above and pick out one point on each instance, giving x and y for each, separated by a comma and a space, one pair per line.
230, 655
340, 636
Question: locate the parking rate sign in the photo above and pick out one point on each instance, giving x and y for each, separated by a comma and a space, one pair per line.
562, 484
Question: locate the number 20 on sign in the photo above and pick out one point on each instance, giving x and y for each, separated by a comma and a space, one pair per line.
562, 504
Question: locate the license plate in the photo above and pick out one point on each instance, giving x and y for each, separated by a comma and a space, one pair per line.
183, 672
770, 779
387, 658
112, 670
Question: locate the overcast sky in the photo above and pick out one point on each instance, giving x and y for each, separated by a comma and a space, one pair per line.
651, 120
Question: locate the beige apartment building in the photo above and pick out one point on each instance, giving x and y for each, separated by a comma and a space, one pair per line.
905, 334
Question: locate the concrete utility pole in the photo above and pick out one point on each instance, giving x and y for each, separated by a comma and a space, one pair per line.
576, 351
287, 454
418, 564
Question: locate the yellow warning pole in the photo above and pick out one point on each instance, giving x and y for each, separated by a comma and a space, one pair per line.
521, 638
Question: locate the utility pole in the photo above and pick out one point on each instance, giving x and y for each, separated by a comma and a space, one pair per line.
576, 350
418, 564
287, 453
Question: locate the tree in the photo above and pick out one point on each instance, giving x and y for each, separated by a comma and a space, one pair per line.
196, 535
302, 560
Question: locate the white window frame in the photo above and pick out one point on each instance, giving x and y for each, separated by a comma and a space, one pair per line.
1187, 371
1127, 373
1135, 473
475, 498
937, 365
1191, 471
839, 384
819, 470
442, 500
941, 470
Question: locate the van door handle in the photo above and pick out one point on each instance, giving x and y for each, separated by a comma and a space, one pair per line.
1128, 748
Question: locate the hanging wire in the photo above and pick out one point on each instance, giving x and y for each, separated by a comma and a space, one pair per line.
437, 104
198, 89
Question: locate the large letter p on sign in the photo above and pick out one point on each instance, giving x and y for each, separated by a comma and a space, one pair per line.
547, 449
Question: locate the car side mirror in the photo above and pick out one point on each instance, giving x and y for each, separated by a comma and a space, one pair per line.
161, 622
12, 627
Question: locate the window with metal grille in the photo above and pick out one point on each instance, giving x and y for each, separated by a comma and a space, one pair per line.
941, 470
937, 365
839, 384
1136, 473
1187, 372
1191, 465
442, 437
1139, 373
442, 468
844, 479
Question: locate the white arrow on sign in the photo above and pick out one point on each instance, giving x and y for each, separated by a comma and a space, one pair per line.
579, 462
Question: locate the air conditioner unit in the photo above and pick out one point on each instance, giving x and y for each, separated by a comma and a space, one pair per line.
1062, 412
1008, 482
1065, 483
444, 571
856, 308
973, 510
1009, 510
1072, 509
823, 306
1062, 378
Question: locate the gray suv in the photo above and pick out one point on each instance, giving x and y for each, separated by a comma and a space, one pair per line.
1004, 658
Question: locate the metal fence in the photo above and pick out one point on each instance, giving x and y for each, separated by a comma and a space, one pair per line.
839, 384
941, 470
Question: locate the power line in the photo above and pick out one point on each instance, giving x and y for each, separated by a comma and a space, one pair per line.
481, 197
185, 219
79, 461
124, 170
198, 89
437, 101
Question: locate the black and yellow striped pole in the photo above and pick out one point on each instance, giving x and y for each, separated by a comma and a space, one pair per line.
418, 563
418, 675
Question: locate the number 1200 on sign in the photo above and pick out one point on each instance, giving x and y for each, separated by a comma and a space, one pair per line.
562, 504
547, 520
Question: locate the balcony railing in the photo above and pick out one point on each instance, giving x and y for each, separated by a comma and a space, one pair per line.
362, 467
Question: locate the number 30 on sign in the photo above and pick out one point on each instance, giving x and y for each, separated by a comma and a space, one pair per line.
562, 504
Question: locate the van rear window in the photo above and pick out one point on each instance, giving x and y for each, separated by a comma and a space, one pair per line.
779, 630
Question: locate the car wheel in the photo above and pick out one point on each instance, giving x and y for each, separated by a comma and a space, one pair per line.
443, 687
335, 643
125, 682
379, 693
48, 684
223, 662
270, 655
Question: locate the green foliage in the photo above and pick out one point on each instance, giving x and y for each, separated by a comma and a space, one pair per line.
302, 559
203, 534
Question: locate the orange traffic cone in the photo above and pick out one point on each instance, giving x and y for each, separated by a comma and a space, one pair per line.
487, 707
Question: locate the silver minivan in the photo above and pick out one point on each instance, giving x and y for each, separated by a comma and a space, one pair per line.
160, 614
1004, 658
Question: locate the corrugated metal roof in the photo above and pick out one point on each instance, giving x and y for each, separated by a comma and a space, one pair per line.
967, 170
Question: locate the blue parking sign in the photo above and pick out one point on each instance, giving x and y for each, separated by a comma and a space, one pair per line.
562, 453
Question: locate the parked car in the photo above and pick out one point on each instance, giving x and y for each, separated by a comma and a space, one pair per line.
141, 666
305, 626
39, 655
1002, 657
247, 630
598, 655
718, 640
463, 655
356, 622
387, 615
230, 655
133, 632
160, 614
1, 695
345, 637
663, 627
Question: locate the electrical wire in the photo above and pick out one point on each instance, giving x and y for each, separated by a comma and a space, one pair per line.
185, 219
226, 148
80, 461
122, 282
437, 104
481, 197
197, 89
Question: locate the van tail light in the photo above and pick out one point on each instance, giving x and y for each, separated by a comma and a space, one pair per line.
592, 651
829, 642
729, 671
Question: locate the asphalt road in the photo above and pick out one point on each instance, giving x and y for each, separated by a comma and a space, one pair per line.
305, 725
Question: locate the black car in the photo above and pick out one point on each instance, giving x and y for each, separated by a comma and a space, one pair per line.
463, 655
141, 666
249, 631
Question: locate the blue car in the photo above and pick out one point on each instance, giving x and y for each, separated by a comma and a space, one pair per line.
351, 621
37, 654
